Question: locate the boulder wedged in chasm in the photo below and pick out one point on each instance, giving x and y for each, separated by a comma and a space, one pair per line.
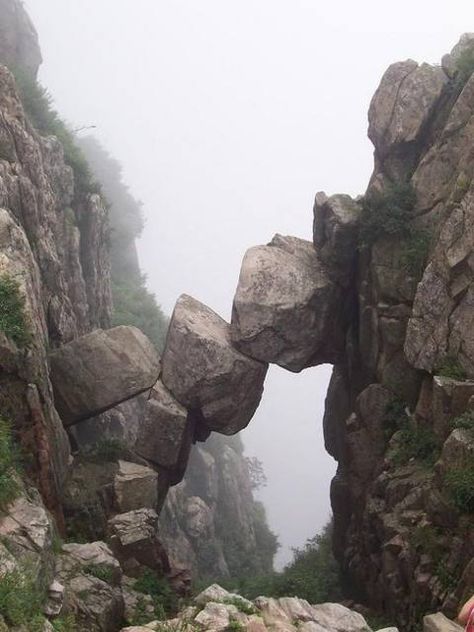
206, 373
165, 433
287, 310
100, 370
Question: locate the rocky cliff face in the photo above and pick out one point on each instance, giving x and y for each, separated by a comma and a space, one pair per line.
210, 522
53, 247
403, 534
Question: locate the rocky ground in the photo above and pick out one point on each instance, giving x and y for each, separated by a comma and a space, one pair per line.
217, 610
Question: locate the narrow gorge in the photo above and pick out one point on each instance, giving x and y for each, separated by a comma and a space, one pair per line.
125, 423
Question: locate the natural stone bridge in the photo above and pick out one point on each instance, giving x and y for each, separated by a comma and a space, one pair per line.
290, 308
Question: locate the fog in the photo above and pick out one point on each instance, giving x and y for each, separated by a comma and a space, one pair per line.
228, 116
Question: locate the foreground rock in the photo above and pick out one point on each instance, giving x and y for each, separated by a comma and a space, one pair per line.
439, 623
134, 540
206, 373
286, 309
218, 610
100, 370
165, 433
91, 576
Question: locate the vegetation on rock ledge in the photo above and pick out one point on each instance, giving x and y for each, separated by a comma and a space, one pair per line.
12, 316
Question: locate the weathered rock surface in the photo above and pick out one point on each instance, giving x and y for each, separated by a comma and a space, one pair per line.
92, 576
403, 104
439, 623
165, 433
135, 487
100, 370
206, 373
134, 540
286, 308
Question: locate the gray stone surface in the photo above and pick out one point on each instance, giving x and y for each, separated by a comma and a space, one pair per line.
100, 370
165, 432
286, 308
135, 487
204, 371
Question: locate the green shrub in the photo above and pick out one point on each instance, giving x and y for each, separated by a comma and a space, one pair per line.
235, 626
21, 601
12, 312
9, 486
459, 484
447, 578
464, 421
135, 305
415, 252
108, 450
100, 571
240, 604
428, 539
395, 416
451, 367
38, 105
313, 575
416, 442
65, 623
164, 598
387, 213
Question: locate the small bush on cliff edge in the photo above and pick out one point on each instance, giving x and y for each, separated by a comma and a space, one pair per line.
9, 487
387, 213
451, 367
12, 315
459, 483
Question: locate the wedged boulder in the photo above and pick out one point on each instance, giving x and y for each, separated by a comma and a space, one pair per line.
134, 541
458, 450
204, 371
439, 623
403, 103
335, 233
136, 487
165, 433
100, 370
286, 309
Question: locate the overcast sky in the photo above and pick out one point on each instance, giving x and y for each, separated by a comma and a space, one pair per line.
228, 116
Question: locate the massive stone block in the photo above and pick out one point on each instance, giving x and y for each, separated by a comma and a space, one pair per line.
100, 370
403, 103
206, 373
287, 310
165, 433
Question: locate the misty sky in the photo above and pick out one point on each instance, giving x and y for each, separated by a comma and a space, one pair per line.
228, 116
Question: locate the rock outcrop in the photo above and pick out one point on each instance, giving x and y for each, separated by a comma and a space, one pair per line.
100, 370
